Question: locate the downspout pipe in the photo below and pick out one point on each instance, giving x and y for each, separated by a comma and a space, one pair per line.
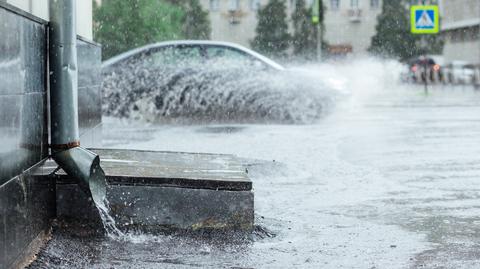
76, 161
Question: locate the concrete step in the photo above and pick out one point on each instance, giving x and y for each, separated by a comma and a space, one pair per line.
157, 191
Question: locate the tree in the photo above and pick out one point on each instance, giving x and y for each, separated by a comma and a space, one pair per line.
305, 39
435, 44
393, 37
196, 24
121, 25
271, 33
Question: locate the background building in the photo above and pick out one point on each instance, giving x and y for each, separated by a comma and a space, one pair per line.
350, 25
460, 27
235, 20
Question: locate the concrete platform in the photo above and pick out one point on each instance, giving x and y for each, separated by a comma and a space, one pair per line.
157, 191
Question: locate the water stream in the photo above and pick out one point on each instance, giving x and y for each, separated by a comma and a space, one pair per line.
108, 222
98, 191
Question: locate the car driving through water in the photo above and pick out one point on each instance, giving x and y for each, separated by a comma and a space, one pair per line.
209, 80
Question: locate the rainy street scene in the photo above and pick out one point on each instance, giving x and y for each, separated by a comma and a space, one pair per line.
240, 134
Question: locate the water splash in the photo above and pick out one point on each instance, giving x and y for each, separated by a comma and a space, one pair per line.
108, 222
214, 94
97, 187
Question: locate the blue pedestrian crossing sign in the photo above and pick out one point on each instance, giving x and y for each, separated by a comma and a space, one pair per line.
424, 19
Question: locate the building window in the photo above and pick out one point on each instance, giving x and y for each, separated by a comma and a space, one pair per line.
254, 4
214, 5
354, 3
234, 5
334, 4
374, 4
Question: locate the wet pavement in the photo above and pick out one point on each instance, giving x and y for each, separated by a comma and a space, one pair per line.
390, 179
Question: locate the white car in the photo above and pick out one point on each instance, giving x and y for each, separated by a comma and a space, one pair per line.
460, 72
192, 53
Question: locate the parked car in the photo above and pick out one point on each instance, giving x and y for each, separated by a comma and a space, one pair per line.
460, 72
191, 54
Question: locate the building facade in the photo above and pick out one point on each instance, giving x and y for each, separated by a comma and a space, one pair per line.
460, 28
235, 20
349, 24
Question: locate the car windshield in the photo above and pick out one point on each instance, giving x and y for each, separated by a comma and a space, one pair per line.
231, 57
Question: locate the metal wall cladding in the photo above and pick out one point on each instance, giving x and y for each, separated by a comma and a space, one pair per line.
89, 93
27, 207
27, 196
23, 98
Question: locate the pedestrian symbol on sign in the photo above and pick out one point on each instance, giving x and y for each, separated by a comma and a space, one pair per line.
424, 19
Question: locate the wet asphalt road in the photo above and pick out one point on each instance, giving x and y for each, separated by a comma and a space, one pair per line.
390, 179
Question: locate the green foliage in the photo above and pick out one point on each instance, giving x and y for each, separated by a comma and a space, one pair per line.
393, 37
272, 37
196, 24
120, 25
304, 39
435, 44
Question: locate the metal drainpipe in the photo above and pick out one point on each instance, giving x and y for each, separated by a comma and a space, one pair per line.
77, 162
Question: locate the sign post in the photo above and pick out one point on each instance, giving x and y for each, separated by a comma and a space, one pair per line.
316, 21
424, 20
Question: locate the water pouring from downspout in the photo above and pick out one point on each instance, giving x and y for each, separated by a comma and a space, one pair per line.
77, 162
